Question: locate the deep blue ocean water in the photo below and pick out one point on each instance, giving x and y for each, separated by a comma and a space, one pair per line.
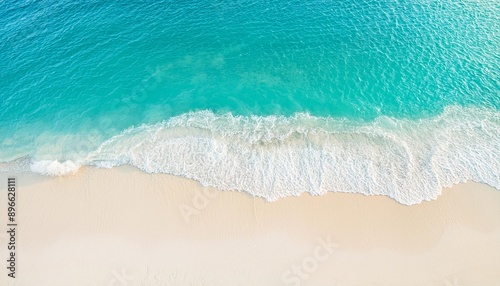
399, 98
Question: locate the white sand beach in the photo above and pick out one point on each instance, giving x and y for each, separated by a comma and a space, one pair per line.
121, 226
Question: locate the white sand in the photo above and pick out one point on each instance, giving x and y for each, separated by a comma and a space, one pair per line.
124, 227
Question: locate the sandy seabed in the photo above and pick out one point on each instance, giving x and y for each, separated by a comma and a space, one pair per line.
123, 227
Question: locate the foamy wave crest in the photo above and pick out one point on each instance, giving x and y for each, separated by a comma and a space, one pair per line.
275, 156
54, 167
42, 167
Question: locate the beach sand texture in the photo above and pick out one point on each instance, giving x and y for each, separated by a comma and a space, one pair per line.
121, 226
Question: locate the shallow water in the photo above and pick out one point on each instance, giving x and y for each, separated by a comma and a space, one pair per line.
274, 98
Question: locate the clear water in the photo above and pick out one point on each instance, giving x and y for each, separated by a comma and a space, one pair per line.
399, 98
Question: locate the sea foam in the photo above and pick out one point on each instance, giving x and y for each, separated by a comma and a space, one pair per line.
54, 167
276, 156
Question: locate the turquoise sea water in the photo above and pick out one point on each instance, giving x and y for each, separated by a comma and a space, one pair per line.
275, 98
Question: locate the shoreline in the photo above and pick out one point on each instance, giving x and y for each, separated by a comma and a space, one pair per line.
162, 228
275, 157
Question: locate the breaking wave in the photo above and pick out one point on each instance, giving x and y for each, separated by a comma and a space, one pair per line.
276, 156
